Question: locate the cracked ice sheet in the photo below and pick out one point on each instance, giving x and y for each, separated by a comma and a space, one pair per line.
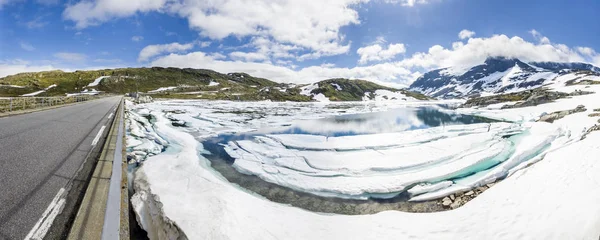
554, 199
210, 118
373, 172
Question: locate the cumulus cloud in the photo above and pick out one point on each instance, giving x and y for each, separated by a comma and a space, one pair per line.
586, 51
476, 50
384, 73
464, 34
396, 73
377, 53
92, 13
70, 57
313, 26
158, 49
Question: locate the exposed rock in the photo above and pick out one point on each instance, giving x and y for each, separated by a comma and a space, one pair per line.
469, 193
452, 197
446, 202
455, 205
594, 115
560, 114
596, 127
525, 98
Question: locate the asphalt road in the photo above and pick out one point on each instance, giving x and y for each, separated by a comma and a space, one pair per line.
41, 153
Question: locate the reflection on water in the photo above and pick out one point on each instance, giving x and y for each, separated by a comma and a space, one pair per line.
404, 119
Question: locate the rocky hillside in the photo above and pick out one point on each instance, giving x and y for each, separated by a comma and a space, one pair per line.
194, 84
495, 76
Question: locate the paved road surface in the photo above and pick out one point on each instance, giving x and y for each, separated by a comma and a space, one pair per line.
39, 154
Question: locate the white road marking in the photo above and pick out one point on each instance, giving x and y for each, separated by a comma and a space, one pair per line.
40, 228
97, 138
109, 116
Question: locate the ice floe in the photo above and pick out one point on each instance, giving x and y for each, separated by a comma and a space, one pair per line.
178, 193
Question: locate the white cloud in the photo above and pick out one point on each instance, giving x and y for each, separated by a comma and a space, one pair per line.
408, 3
137, 38
204, 44
26, 46
92, 13
398, 73
381, 73
586, 51
313, 26
155, 50
538, 36
378, 53
535, 33
7, 69
464, 34
476, 50
70, 57
248, 56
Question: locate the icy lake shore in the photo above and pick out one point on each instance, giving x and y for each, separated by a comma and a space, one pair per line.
178, 192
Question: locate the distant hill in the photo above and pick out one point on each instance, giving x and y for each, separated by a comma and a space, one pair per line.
195, 84
496, 75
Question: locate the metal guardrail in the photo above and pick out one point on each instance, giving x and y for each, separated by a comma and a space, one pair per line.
11, 104
112, 216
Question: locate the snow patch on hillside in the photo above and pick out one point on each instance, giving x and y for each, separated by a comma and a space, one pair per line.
387, 95
97, 81
38, 92
162, 89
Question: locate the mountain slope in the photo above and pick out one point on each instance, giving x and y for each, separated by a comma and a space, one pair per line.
496, 75
355, 90
192, 84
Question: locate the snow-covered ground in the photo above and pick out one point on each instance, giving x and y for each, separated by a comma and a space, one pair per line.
162, 89
38, 92
378, 95
97, 81
85, 92
12, 86
177, 192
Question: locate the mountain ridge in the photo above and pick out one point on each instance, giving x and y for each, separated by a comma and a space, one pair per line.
192, 83
496, 75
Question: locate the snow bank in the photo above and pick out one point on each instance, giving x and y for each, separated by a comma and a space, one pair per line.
538, 203
556, 198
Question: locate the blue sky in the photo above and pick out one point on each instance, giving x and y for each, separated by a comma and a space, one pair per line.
387, 41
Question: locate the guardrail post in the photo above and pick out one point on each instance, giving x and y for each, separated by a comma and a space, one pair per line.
10, 108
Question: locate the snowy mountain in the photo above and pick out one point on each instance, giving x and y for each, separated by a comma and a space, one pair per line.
355, 90
496, 75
